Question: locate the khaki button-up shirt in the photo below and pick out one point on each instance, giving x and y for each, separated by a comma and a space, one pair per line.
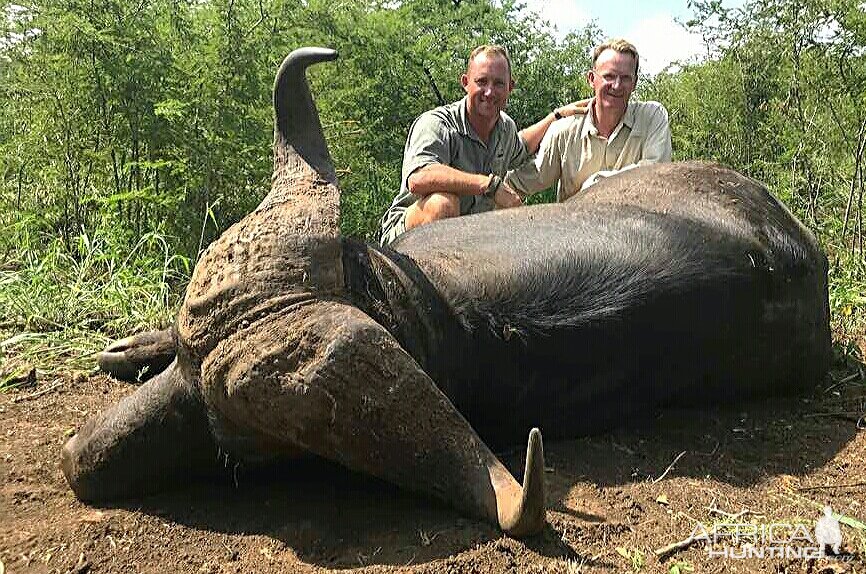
574, 156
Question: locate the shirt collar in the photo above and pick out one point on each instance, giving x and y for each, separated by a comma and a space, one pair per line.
589, 125
466, 129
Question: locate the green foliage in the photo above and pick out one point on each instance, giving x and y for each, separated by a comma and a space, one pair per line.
132, 134
681, 567
61, 305
140, 284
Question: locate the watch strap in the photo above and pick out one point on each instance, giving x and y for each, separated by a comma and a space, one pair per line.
492, 186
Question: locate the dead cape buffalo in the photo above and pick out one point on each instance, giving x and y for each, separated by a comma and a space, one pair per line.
684, 281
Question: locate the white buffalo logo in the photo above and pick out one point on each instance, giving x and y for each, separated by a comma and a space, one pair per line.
827, 532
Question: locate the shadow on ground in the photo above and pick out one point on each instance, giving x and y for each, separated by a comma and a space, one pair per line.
336, 519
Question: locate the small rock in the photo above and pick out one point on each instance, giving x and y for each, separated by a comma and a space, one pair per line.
93, 517
82, 566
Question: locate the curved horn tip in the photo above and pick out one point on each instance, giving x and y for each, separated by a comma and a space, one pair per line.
119, 346
534, 459
117, 365
535, 438
529, 517
305, 57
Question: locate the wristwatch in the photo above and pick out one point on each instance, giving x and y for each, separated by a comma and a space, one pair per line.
557, 115
492, 186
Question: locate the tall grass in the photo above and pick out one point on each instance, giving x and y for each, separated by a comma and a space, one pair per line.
63, 300
365, 197
61, 303
847, 282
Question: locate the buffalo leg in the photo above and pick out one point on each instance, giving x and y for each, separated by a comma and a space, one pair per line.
326, 378
153, 438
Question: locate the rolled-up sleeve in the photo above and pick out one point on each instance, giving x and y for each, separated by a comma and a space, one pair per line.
428, 143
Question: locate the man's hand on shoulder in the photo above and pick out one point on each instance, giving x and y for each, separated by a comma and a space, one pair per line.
533, 135
579, 107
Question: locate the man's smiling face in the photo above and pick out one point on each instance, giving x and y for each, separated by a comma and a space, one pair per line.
488, 83
613, 78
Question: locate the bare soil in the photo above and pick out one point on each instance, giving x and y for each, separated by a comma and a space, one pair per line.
613, 499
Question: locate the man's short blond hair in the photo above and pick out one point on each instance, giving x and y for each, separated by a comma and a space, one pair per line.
490, 50
617, 45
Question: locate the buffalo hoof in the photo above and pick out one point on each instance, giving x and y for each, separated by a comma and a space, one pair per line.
138, 358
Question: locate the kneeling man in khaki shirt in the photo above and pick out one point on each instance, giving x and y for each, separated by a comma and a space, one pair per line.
612, 136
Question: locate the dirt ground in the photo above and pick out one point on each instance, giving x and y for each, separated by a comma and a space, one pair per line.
613, 500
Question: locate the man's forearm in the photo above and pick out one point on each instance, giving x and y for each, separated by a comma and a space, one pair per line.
438, 178
533, 135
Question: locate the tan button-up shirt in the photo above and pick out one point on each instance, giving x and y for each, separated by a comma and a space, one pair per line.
574, 156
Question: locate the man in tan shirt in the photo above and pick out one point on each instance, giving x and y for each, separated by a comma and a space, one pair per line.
614, 135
